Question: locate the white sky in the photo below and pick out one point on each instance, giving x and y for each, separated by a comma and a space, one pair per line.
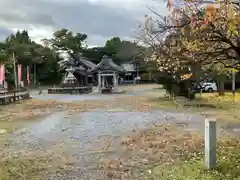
99, 19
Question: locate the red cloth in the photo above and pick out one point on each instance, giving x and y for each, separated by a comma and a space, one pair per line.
2, 73
19, 73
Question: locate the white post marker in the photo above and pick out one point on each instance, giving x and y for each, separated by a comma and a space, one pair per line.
210, 143
99, 82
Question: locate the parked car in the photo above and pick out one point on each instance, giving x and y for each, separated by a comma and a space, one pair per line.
208, 86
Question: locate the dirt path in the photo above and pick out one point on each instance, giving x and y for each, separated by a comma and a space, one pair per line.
75, 139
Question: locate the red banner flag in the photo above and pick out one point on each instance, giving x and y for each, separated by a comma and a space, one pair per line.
28, 76
2, 74
19, 74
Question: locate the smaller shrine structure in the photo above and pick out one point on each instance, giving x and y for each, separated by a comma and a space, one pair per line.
108, 74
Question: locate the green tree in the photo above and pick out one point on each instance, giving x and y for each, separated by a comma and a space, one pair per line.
94, 54
128, 51
66, 41
27, 53
123, 51
112, 46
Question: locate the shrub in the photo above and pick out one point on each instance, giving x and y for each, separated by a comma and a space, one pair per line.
175, 88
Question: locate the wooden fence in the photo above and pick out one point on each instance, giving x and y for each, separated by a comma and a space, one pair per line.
7, 97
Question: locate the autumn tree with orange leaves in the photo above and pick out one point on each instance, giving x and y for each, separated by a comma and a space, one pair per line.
198, 37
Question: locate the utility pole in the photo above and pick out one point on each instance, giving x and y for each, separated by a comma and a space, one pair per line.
15, 71
233, 82
35, 74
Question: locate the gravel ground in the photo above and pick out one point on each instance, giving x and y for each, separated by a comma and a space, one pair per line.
83, 134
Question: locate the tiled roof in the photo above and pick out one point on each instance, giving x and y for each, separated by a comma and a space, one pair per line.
88, 63
107, 64
79, 61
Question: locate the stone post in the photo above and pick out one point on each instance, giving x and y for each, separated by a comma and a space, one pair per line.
116, 80
210, 143
115, 83
99, 82
103, 81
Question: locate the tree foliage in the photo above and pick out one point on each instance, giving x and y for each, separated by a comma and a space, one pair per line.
123, 51
94, 54
112, 46
44, 59
29, 53
66, 41
75, 44
197, 37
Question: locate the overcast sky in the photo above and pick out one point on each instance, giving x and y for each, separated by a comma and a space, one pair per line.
99, 19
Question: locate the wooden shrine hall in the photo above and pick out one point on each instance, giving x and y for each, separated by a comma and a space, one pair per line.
81, 72
77, 72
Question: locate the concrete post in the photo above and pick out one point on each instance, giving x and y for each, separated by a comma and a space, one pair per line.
114, 81
99, 82
210, 143
103, 81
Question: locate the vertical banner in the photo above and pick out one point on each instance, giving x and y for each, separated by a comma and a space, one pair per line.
28, 75
1, 77
19, 74
2, 74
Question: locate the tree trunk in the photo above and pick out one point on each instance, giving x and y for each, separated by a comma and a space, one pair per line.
15, 72
35, 74
221, 91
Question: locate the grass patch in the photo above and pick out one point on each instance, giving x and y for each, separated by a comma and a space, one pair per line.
223, 108
19, 168
10, 126
34, 164
228, 165
219, 102
163, 103
161, 144
206, 100
166, 152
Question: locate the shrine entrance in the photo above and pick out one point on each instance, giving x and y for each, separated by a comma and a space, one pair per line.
107, 81
107, 72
